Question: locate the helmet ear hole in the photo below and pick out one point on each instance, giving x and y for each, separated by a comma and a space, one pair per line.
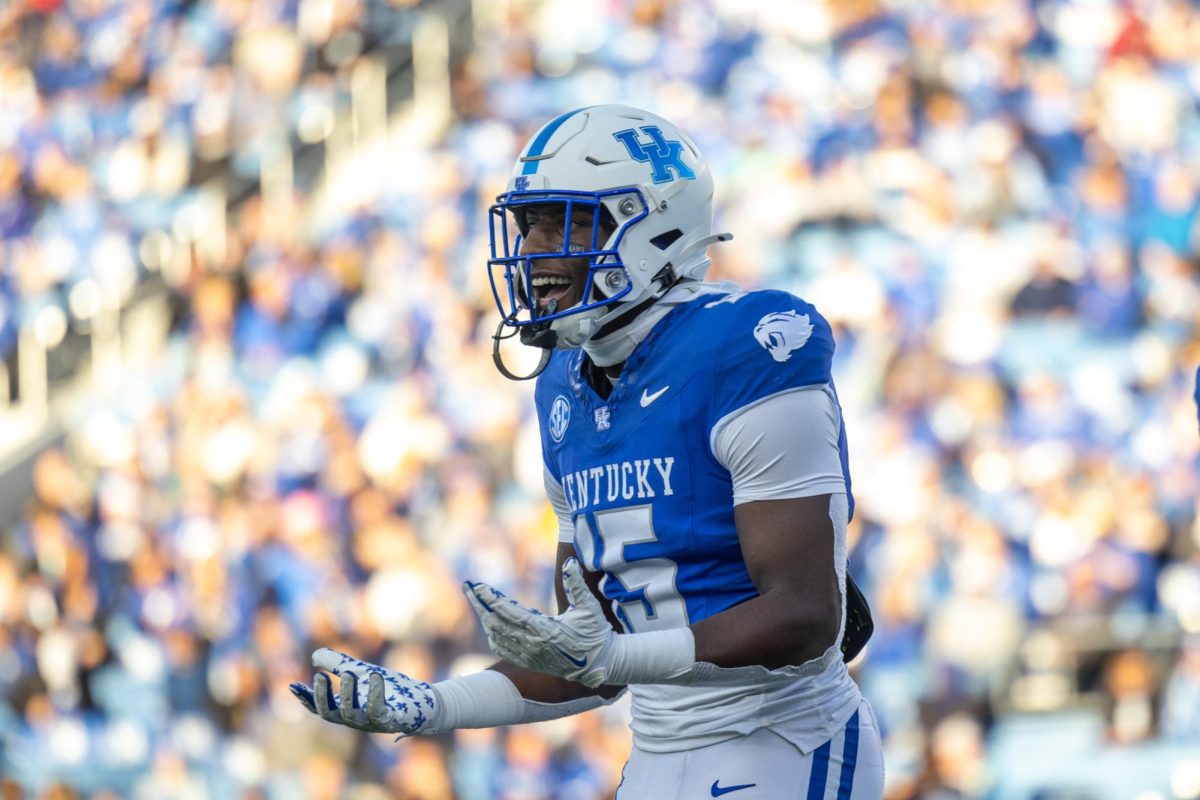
665, 240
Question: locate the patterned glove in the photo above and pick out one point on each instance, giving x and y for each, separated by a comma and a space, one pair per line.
573, 645
370, 698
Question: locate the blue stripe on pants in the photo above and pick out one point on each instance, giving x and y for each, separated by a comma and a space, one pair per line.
849, 757
820, 771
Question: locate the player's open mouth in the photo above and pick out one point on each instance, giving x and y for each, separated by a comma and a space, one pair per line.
559, 288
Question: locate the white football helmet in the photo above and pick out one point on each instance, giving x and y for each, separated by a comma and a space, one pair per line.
630, 168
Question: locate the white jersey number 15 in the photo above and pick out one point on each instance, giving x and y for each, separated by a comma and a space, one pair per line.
662, 607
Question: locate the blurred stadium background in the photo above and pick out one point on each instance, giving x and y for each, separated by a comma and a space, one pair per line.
247, 405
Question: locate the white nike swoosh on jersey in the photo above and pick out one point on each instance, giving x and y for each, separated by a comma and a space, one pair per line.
647, 399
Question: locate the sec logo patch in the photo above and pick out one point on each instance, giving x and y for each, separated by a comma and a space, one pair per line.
560, 417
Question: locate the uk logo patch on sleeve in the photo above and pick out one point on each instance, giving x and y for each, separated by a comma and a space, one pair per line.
783, 332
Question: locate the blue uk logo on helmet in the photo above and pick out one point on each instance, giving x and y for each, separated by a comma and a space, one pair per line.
664, 155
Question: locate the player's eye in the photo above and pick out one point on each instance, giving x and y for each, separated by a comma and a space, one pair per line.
537, 216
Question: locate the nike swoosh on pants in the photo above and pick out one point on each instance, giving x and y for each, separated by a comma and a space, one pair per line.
718, 790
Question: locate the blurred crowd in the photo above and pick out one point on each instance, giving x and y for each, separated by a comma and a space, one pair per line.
995, 203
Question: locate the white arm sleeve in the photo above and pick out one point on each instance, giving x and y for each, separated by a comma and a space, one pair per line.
487, 699
558, 500
782, 447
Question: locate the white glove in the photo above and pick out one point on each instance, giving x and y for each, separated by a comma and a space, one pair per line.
370, 698
573, 645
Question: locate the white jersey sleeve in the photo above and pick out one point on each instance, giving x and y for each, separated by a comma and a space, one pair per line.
558, 501
782, 447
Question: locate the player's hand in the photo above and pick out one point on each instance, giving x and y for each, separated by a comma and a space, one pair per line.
369, 697
572, 645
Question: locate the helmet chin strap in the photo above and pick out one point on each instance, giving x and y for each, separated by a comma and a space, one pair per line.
540, 335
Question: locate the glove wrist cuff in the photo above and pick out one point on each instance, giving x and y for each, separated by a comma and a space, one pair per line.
651, 657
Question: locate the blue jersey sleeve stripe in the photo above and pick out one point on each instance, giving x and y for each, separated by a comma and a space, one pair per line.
543, 138
849, 759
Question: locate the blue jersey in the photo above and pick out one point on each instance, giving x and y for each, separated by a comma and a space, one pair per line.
652, 506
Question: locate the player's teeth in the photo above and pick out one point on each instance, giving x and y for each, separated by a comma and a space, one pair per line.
551, 281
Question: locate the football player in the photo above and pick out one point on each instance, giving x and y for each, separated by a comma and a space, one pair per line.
695, 455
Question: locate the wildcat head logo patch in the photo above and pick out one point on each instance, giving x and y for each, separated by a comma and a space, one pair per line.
782, 332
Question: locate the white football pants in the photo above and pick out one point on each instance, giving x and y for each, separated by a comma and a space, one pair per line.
764, 766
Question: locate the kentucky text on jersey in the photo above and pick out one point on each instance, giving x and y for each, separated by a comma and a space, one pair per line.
624, 480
